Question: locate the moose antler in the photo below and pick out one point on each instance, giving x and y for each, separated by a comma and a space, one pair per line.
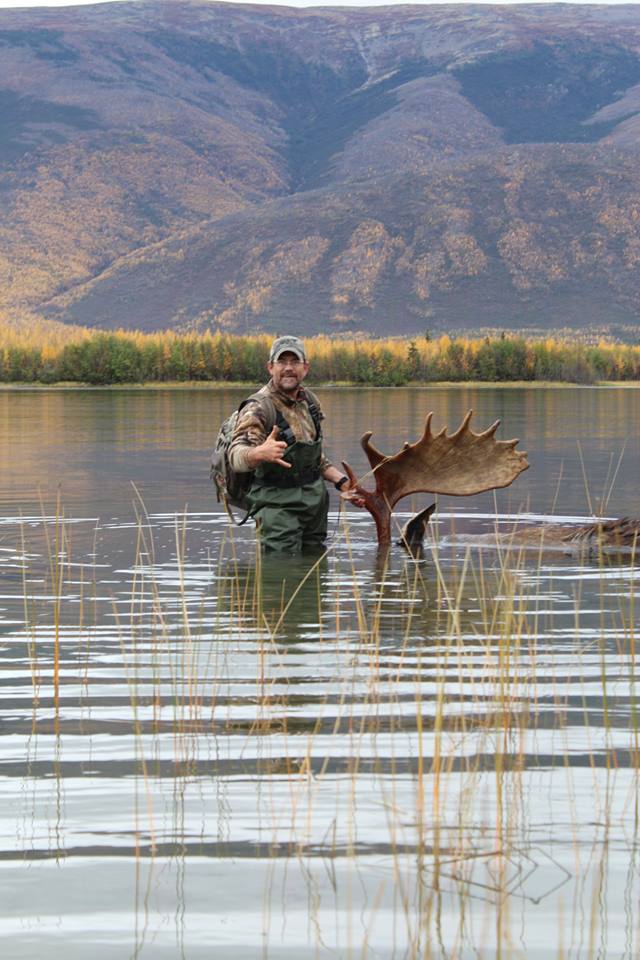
461, 464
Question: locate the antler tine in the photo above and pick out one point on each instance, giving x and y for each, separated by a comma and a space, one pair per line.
375, 502
374, 456
353, 480
464, 426
426, 433
489, 432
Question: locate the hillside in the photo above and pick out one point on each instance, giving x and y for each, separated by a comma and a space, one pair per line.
192, 164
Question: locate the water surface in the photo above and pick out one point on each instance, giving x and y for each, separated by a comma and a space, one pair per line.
412, 760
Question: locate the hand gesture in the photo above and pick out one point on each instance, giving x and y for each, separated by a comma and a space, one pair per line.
273, 449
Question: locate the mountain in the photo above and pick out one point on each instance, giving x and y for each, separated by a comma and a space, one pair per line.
186, 164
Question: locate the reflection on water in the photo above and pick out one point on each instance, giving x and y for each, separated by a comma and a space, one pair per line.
204, 755
96, 443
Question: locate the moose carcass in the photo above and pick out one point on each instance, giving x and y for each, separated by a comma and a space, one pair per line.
584, 538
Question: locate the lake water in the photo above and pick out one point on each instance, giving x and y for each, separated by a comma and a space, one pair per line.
353, 759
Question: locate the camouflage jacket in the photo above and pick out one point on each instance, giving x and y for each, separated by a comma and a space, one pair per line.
251, 429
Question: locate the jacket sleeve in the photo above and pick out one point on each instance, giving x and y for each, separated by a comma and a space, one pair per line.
250, 431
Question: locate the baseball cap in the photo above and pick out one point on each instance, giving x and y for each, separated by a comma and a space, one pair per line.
287, 345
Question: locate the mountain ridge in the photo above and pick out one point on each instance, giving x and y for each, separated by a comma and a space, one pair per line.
198, 165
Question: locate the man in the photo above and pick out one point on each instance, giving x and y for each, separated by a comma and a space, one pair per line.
289, 499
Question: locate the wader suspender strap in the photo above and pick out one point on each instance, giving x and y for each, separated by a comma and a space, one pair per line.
316, 416
286, 433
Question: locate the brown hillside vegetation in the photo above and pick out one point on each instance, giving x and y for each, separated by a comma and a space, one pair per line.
490, 243
199, 165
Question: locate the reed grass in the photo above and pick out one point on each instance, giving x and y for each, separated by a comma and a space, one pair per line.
441, 661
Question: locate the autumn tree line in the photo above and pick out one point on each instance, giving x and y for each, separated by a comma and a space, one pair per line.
124, 357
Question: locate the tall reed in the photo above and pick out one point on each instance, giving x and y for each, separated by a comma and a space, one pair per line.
397, 728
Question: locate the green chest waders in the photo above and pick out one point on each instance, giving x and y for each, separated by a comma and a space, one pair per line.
291, 506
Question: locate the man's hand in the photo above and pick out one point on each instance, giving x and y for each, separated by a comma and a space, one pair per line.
350, 495
348, 491
270, 451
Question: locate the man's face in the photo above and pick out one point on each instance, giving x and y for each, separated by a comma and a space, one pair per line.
287, 372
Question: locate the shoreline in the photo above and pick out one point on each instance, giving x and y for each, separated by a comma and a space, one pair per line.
176, 385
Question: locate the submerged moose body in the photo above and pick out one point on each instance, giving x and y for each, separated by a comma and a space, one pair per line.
459, 464
586, 539
623, 534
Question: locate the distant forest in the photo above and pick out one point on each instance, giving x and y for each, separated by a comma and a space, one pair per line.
124, 357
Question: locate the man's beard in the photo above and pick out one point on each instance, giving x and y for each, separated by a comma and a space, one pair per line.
289, 388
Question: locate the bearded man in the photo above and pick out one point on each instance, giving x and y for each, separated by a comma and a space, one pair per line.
278, 438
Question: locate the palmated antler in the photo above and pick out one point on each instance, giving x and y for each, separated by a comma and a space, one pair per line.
460, 464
